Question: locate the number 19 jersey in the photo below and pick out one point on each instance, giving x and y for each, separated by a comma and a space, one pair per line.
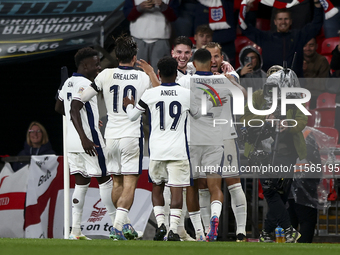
117, 83
169, 105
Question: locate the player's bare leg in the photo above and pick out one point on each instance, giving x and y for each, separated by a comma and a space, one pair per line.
117, 188
121, 225
194, 210
239, 206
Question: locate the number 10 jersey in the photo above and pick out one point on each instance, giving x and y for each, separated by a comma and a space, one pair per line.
117, 83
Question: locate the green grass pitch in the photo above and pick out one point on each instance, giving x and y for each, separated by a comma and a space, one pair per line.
10, 246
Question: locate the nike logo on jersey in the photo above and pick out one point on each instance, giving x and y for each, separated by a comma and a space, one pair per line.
239, 205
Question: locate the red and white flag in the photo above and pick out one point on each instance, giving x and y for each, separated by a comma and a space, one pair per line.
217, 16
328, 7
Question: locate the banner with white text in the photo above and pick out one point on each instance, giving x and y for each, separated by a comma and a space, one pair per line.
34, 27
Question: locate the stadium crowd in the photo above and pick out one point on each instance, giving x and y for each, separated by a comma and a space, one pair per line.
173, 47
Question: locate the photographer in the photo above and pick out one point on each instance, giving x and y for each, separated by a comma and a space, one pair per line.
289, 144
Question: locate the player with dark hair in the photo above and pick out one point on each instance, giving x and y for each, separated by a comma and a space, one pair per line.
182, 52
85, 145
124, 145
168, 104
207, 150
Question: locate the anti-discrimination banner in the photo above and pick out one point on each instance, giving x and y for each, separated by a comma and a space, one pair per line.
38, 190
34, 27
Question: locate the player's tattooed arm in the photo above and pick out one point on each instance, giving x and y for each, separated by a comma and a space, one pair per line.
148, 69
88, 146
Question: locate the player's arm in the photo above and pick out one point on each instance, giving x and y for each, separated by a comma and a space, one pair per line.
59, 107
89, 92
233, 81
88, 146
195, 110
148, 69
133, 113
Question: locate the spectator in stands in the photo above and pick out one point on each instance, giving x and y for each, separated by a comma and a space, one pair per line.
335, 62
282, 45
221, 20
150, 27
332, 25
301, 15
251, 64
36, 143
203, 36
314, 66
184, 24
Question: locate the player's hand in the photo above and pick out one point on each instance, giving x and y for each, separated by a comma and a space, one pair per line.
218, 103
146, 5
89, 147
246, 69
148, 69
100, 124
226, 67
127, 101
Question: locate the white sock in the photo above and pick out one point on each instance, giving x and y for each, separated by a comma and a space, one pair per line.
105, 190
216, 208
159, 214
175, 216
78, 199
204, 199
121, 216
196, 222
167, 201
239, 206
181, 228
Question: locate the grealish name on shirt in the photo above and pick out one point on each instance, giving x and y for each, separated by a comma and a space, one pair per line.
125, 76
169, 92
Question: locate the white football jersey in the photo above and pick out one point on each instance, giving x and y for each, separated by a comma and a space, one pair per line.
203, 131
117, 83
169, 105
72, 89
189, 71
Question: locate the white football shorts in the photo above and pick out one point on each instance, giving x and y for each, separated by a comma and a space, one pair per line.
125, 155
231, 164
205, 159
88, 166
176, 173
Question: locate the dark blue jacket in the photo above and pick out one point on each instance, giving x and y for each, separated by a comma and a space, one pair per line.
28, 150
277, 47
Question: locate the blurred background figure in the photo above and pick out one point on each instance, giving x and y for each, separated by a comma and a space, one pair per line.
314, 66
335, 62
220, 17
251, 64
37, 143
203, 36
150, 27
